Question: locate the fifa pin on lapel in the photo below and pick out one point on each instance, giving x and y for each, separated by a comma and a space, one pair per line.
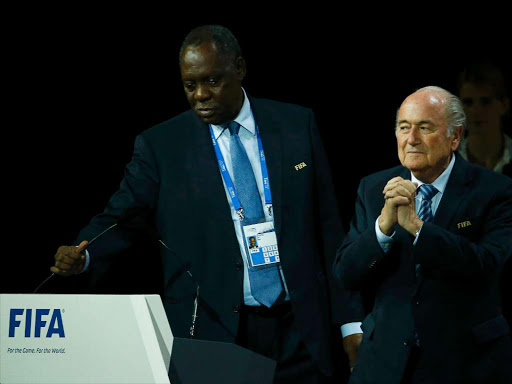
300, 166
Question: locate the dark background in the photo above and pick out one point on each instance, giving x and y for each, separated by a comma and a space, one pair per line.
81, 85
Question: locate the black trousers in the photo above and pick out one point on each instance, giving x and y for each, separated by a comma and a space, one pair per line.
271, 332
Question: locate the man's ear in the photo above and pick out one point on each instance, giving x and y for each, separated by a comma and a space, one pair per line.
457, 137
240, 68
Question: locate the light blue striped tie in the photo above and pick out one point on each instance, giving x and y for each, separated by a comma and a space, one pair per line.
427, 191
266, 286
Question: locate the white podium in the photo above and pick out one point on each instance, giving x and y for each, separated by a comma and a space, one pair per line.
75, 339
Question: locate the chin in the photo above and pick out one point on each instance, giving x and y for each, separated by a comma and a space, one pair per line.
414, 166
208, 120
216, 120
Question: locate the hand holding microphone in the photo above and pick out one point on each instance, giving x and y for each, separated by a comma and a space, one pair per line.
70, 260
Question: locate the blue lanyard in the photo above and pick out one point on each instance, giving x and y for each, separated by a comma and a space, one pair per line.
229, 182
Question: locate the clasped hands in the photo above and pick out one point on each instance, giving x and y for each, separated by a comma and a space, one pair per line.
399, 207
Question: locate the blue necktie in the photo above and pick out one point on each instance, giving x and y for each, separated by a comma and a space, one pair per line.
266, 284
427, 191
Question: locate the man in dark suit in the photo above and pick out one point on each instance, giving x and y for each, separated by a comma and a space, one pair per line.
183, 181
430, 239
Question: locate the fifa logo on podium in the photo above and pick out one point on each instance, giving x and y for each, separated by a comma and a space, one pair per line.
41, 319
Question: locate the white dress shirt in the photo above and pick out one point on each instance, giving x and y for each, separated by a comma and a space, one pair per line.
249, 140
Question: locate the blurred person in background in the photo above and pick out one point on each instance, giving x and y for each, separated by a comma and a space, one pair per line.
481, 88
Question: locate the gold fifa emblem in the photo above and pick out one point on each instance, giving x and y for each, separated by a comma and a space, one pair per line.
300, 166
463, 224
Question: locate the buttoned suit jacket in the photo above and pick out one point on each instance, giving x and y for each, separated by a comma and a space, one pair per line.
454, 304
174, 179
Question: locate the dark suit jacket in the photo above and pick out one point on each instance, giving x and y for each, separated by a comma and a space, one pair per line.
175, 180
455, 303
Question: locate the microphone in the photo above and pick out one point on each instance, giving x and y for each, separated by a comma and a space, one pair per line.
154, 235
124, 219
198, 299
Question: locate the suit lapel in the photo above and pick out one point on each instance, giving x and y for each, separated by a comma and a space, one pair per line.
455, 189
451, 199
453, 194
271, 138
205, 173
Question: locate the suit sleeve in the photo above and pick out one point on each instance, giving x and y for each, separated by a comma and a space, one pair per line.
360, 252
346, 307
130, 207
445, 254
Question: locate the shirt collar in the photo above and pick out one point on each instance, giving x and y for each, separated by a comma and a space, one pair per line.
442, 180
244, 118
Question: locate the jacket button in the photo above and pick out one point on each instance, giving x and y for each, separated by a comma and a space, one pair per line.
238, 266
236, 308
406, 342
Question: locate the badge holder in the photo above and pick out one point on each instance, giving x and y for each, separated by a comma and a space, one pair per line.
261, 242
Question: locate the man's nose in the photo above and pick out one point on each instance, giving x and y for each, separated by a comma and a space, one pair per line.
202, 93
414, 137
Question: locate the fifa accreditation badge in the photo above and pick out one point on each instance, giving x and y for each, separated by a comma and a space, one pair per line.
261, 242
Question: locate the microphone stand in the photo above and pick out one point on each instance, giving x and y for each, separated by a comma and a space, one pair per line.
194, 313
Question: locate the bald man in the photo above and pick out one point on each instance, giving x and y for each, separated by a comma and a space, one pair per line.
430, 237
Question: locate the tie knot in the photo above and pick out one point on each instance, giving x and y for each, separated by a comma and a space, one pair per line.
428, 191
233, 127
